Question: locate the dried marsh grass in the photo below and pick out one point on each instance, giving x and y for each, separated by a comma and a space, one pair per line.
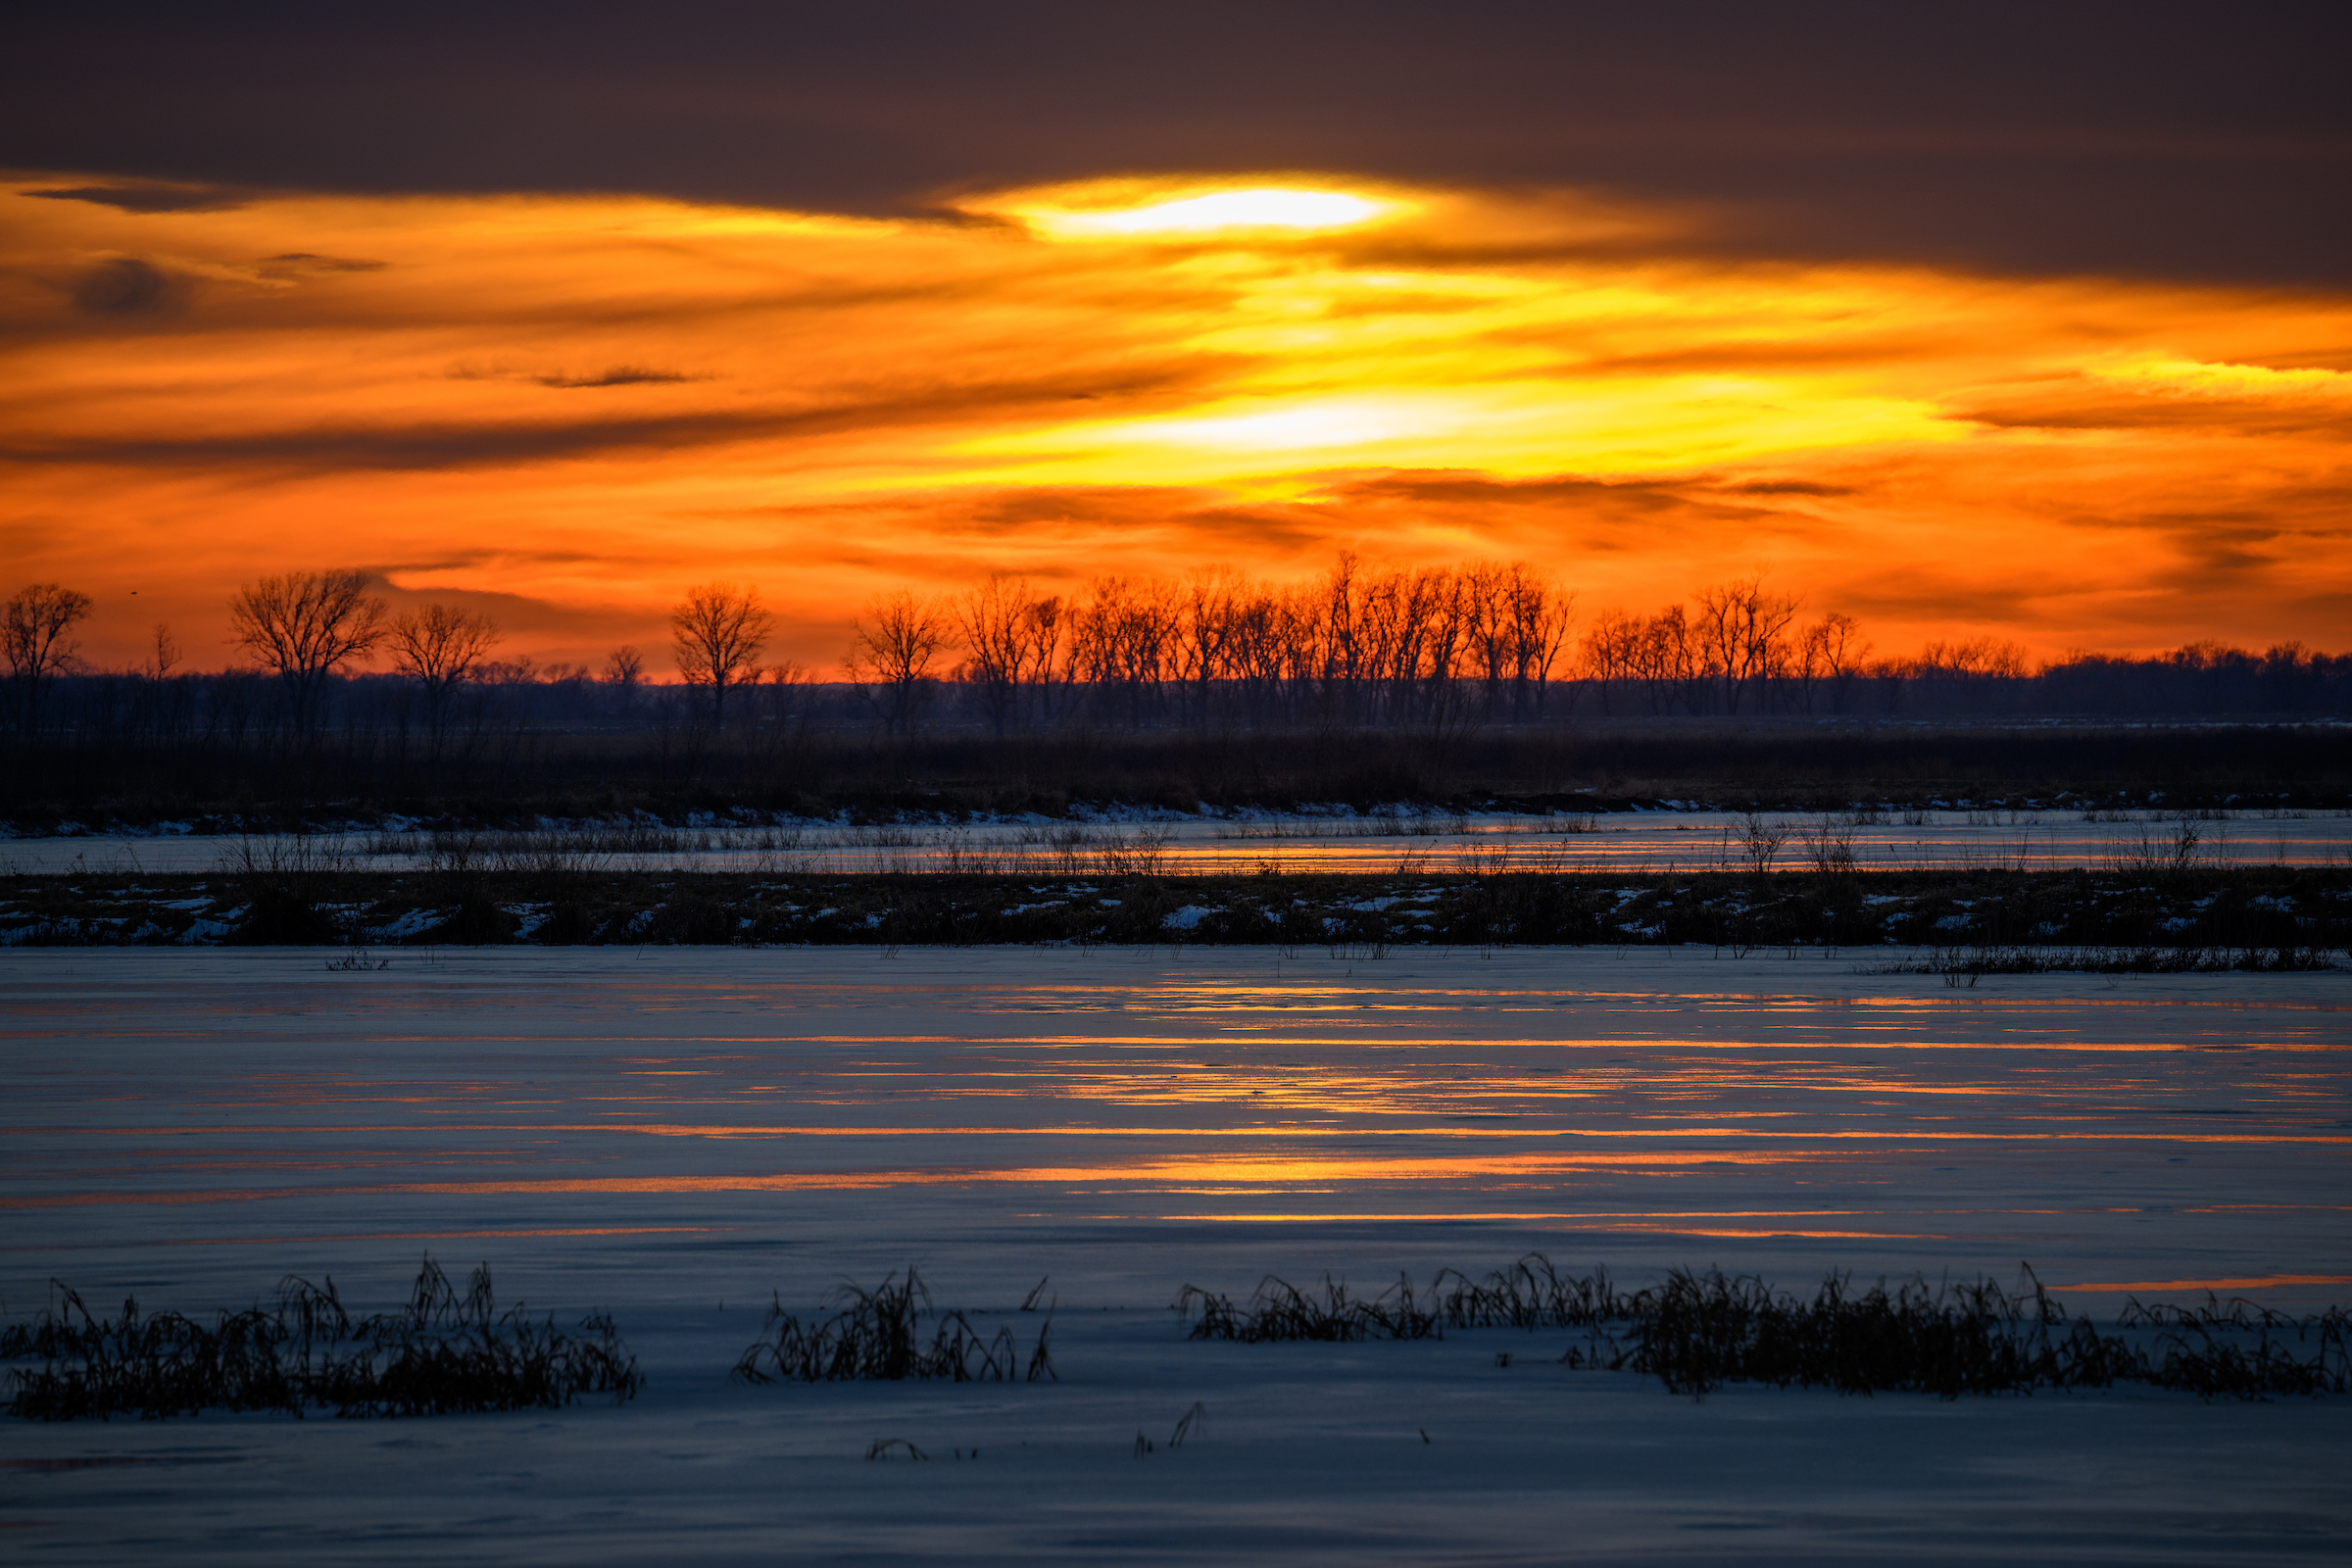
1697, 1332
878, 1334
1279, 1310
444, 1353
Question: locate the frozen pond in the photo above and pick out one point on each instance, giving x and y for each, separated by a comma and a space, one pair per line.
675, 1136
1615, 841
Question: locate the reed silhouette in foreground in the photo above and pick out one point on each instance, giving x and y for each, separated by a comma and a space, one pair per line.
1697, 1332
444, 1353
878, 1334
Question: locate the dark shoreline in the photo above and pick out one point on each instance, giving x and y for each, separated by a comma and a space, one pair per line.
2255, 917
686, 777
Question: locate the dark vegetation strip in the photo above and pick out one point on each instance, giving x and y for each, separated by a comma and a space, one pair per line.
446, 1352
450, 1352
878, 1334
517, 778
1697, 1332
1978, 921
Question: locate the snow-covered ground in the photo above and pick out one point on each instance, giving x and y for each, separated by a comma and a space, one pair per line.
675, 1136
1623, 841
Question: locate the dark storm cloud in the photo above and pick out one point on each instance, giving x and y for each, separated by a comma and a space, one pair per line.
1632, 501
311, 262
515, 614
618, 375
2203, 415
2150, 139
1919, 598
145, 198
1791, 487
424, 446
127, 287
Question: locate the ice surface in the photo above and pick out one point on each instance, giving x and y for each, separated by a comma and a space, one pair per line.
673, 1135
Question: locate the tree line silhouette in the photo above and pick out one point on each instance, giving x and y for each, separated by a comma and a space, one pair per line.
1431, 651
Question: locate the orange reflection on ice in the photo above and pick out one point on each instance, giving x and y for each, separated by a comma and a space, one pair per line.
1597, 1224
2258, 1282
1208, 1168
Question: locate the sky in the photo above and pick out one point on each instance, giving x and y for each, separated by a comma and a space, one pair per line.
2014, 324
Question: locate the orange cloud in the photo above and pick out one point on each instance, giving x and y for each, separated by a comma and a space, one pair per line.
571, 409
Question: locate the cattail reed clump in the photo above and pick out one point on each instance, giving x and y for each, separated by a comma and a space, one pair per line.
443, 1353
878, 1334
1279, 1310
1697, 1332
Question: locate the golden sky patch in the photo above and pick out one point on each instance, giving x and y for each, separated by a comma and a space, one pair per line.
573, 408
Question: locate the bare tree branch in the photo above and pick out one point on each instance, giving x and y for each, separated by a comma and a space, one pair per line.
719, 631
441, 649
892, 648
306, 627
33, 640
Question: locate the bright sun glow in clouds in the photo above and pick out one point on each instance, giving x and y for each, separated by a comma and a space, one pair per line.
563, 411
1263, 207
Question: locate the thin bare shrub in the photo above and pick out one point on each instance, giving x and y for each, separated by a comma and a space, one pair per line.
2171, 854
1828, 845
1758, 841
290, 882
1135, 854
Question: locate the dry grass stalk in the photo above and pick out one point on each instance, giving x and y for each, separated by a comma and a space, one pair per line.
878, 1334
444, 1353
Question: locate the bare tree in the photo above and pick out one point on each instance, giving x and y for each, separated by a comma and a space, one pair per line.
33, 639
163, 652
997, 621
1894, 679
1047, 677
1205, 638
783, 708
441, 649
1671, 659
624, 667
1832, 654
719, 631
1977, 658
1612, 651
1744, 633
1429, 648
306, 627
1123, 643
892, 648
1541, 613
1845, 650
